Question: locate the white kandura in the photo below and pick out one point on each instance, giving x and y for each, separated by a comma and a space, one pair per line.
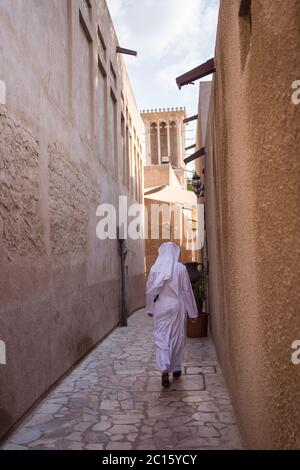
169, 279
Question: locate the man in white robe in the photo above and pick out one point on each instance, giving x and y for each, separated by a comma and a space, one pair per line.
169, 299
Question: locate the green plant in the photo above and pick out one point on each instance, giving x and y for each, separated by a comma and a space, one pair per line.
189, 184
199, 289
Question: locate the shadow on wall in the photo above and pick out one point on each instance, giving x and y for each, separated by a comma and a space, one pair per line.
6, 421
85, 345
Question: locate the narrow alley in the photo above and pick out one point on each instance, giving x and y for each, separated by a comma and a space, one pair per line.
114, 400
136, 138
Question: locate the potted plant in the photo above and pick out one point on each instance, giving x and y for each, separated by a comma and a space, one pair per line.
197, 327
199, 293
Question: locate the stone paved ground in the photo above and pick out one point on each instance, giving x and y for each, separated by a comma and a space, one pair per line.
114, 400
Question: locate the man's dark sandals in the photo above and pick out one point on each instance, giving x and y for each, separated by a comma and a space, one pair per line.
177, 373
165, 379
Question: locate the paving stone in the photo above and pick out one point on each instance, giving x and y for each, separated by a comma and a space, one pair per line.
14, 447
226, 417
42, 441
109, 405
124, 395
75, 446
26, 435
185, 430
220, 425
116, 437
146, 429
139, 407
90, 418
206, 417
209, 406
192, 382
147, 445
94, 447
119, 446
145, 437
127, 404
230, 434
163, 433
114, 400
176, 404
93, 402
82, 426
131, 437
122, 429
102, 426
178, 421
207, 431
201, 370
49, 408
127, 418
92, 437
150, 422
193, 399
198, 443
163, 443
74, 436
39, 419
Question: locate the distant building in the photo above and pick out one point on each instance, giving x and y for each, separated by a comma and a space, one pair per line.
165, 183
165, 139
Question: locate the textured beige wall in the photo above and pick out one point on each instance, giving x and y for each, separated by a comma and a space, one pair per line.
158, 175
252, 217
59, 284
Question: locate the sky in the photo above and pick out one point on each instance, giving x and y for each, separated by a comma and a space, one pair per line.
171, 37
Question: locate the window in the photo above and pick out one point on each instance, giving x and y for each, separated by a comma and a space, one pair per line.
130, 184
164, 143
85, 85
123, 135
127, 158
141, 181
137, 177
102, 110
133, 173
153, 144
173, 144
113, 141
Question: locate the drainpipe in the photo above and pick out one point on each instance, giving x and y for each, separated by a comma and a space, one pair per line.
123, 251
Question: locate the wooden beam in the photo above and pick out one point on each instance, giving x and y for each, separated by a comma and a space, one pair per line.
190, 147
201, 71
122, 50
192, 118
194, 156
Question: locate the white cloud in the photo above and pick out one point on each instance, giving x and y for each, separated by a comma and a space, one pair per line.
171, 37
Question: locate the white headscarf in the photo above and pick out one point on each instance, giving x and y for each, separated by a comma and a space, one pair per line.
165, 268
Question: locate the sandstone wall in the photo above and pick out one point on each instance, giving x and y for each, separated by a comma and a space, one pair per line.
63, 152
252, 215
